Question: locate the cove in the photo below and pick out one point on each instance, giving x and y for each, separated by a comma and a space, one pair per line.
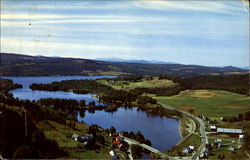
161, 131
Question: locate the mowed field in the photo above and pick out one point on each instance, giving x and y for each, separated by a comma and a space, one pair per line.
144, 83
75, 150
212, 103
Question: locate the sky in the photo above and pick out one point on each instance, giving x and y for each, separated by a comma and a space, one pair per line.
210, 33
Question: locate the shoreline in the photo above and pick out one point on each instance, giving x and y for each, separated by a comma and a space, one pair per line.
180, 129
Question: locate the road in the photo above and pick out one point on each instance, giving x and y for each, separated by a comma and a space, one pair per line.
130, 153
132, 141
202, 130
192, 131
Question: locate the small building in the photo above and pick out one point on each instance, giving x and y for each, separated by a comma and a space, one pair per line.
75, 136
213, 128
117, 141
85, 139
229, 130
206, 153
231, 148
189, 149
186, 150
112, 154
217, 143
241, 137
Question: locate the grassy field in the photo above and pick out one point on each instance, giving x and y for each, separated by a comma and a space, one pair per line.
193, 140
212, 103
62, 135
145, 83
185, 126
227, 141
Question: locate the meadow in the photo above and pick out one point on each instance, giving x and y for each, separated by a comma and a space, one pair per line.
212, 103
153, 82
62, 135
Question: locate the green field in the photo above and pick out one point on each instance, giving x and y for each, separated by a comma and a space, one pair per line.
177, 150
144, 83
227, 141
212, 103
62, 135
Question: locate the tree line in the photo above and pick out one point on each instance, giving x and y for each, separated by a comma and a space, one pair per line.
20, 138
241, 117
233, 83
72, 106
107, 94
18, 141
7, 85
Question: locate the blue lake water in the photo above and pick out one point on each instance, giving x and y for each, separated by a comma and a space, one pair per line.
27, 93
162, 132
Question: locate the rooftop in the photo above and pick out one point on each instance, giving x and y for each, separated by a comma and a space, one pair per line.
228, 130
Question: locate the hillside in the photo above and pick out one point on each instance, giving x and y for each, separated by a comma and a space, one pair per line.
23, 65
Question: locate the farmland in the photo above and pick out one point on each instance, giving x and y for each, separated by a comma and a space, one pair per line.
152, 82
212, 103
62, 135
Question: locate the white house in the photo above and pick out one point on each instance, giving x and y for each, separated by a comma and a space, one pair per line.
213, 128
75, 137
218, 143
241, 137
112, 153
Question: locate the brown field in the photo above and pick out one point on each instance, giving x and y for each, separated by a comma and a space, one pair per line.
203, 94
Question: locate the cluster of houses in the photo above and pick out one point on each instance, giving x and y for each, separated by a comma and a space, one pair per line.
214, 129
83, 139
189, 149
117, 142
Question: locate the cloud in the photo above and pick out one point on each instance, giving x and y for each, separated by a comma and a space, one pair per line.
133, 29
51, 48
15, 18
201, 6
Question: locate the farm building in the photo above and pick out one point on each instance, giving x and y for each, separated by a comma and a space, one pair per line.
85, 138
228, 130
213, 128
75, 137
232, 148
217, 143
113, 154
189, 149
241, 137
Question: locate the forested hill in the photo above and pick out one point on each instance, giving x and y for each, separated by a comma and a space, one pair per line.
23, 65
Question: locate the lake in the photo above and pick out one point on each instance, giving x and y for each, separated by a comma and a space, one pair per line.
27, 93
162, 132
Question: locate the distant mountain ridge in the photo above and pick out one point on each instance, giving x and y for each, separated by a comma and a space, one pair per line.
24, 65
133, 61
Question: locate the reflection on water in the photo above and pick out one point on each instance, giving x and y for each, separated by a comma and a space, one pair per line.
27, 93
162, 132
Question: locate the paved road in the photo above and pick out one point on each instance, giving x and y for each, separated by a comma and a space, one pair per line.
192, 131
202, 130
132, 141
130, 153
